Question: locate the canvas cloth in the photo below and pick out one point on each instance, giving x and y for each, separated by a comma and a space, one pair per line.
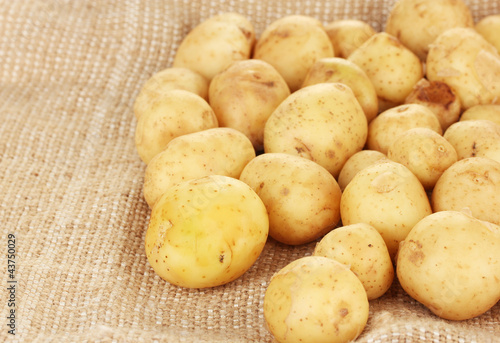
71, 181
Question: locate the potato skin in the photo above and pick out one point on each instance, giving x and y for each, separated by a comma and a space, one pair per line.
488, 27
347, 35
486, 112
357, 162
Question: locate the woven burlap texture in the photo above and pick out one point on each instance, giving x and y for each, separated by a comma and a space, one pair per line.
71, 181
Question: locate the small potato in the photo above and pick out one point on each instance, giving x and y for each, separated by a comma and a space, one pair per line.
488, 27
245, 94
176, 113
206, 232
347, 35
335, 69
388, 125
487, 112
302, 198
292, 44
471, 184
389, 197
450, 263
361, 248
426, 153
315, 299
165, 80
357, 162
217, 151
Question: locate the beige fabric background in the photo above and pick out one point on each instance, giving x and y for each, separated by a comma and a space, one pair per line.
71, 181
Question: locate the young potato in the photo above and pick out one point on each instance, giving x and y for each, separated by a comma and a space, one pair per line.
356, 162
486, 111
347, 35
217, 151
388, 125
389, 197
302, 198
475, 138
292, 44
215, 43
439, 98
449, 263
471, 184
361, 248
206, 232
417, 23
335, 69
322, 122
488, 27
175, 113
245, 94
392, 68
165, 80
315, 299
426, 153
463, 59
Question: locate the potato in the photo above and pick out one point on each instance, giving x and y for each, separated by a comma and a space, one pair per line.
387, 196
217, 151
245, 94
471, 184
463, 59
486, 111
176, 113
302, 198
388, 125
315, 299
347, 35
417, 23
472, 138
449, 263
335, 69
292, 44
322, 122
215, 43
355, 163
488, 27
392, 68
206, 232
426, 153
361, 248
439, 98
165, 80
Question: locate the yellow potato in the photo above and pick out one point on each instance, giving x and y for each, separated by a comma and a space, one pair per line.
315, 299
347, 35
450, 263
361, 248
487, 112
206, 232
488, 27
176, 113
302, 198
356, 162
217, 151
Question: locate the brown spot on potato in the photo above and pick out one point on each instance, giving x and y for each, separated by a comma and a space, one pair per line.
343, 312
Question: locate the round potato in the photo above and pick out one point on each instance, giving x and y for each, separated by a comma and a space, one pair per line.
217, 151
322, 122
245, 94
315, 299
486, 111
302, 198
176, 113
488, 27
471, 184
361, 248
449, 263
206, 232
356, 162
347, 35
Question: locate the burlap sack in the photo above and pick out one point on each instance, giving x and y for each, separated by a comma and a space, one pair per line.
71, 182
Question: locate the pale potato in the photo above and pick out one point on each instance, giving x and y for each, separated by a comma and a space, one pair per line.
388, 125
175, 113
449, 263
472, 185
206, 232
323, 122
486, 111
315, 299
217, 151
347, 35
302, 198
244, 95
361, 248
489, 27
357, 162
292, 44
387, 196
426, 153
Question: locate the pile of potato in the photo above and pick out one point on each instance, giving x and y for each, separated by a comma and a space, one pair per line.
382, 147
